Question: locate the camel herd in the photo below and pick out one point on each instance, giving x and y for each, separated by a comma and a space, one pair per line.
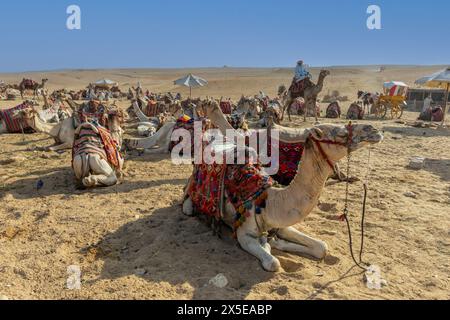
94, 130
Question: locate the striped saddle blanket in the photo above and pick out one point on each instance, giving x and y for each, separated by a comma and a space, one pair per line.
101, 143
14, 125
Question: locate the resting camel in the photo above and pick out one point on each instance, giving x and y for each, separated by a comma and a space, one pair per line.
62, 132
285, 207
31, 85
310, 95
92, 167
159, 143
249, 107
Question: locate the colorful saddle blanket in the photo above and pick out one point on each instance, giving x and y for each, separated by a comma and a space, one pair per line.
297, 88
244, 185
290, 155
102, 143
14, 125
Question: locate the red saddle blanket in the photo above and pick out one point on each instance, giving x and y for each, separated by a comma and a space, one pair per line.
297, 88
290, 155
14, 125
151, 110
244, 185
226, 107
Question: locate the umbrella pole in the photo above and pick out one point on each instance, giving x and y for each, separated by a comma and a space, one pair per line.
190, 92
446, 103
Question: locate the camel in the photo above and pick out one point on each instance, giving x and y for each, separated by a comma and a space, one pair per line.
62, 132
159, 143
310, 94
249, 107
91, 168
31, 85
285, 207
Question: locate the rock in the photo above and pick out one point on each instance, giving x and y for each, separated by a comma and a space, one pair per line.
282, 291
373, 279
140, 272
45, 156
416, 163
410, 195
219, 281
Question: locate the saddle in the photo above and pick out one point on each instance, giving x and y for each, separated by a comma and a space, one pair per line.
28, 83
297, 88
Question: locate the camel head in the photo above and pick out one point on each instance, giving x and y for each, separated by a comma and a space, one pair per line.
281, 90
336, 141
238, 121
324, 73
27, 115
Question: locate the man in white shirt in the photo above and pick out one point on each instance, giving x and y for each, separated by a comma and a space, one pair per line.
427, 103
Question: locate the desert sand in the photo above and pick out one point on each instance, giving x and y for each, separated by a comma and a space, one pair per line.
132, 241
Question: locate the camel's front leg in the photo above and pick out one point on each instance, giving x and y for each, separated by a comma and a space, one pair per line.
103, 174
251, 243
63, 146
294, 241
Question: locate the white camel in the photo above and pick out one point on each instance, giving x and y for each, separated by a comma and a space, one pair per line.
159, 143
90, 165
285, 207
62, 132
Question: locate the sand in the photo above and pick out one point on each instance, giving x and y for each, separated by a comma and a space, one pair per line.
132, 241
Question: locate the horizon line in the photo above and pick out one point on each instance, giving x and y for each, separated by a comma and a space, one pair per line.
223, 67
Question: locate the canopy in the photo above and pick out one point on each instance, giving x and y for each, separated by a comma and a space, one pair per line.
105, 83
191, 81
391, 84
440, 79
395, 88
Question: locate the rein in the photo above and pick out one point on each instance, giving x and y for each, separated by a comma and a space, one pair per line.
360, 264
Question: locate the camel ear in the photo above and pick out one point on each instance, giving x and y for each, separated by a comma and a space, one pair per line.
317, 133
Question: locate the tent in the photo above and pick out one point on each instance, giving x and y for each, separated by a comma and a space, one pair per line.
440, 79
104, 83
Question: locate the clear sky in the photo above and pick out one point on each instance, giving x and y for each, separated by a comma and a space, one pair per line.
214, 33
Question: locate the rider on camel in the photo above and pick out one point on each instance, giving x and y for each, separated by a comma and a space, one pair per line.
301, 72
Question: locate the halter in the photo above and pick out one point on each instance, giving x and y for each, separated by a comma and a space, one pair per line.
347, 144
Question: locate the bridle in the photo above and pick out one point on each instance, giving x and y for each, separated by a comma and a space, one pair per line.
346, 144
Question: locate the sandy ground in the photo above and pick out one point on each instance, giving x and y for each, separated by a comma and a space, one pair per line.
132, 242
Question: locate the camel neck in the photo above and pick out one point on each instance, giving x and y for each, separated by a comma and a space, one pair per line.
51, 129
291, 205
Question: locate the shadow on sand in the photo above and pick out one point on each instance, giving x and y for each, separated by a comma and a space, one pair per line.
440, 168
168, 247
176, 249
61, 181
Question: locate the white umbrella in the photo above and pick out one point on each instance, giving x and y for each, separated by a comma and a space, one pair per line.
439, 79
191, 81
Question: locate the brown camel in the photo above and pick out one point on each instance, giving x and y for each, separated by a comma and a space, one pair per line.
310, 94
28, 84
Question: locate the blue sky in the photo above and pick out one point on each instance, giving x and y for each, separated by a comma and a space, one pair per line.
214, 33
